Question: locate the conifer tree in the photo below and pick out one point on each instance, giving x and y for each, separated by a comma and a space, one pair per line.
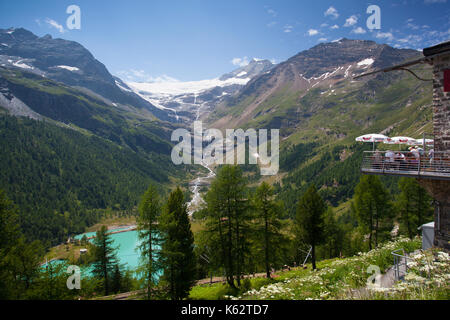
177, 251
309, 220
413, 206
268, 211
228, 221
149, 212
372, 206
105, 258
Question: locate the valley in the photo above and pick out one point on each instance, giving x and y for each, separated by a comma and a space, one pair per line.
86, 151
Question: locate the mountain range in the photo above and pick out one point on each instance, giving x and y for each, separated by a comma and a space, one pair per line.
312, 98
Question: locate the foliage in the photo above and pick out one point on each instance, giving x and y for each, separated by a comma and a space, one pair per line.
105, 261
59, 178
177, 251
149, 212
372, 206
414, 206
309, 222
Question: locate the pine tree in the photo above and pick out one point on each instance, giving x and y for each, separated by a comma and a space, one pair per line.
309, 221
116, 285
177, 252
268, 212
333, 233
372, 206
228, 221
9, 236
149, 212
413, 205
105, 258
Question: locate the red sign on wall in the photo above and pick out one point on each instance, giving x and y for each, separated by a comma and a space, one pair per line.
447, 80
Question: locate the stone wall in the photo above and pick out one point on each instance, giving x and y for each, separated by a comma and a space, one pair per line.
441, 105
440, 189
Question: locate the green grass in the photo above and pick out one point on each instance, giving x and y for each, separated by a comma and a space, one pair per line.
334, 279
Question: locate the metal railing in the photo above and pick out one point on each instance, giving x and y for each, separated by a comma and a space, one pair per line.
405, 163
400, 264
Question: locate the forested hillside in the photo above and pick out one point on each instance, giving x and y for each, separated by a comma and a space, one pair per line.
57, 176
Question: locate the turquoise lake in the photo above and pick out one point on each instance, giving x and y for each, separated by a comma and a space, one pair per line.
126, 244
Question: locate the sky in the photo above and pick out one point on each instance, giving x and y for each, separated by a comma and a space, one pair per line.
186, 40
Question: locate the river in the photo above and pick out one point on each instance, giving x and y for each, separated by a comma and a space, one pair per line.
195, 186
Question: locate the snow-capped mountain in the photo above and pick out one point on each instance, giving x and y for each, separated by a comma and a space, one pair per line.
191, 100
70, 63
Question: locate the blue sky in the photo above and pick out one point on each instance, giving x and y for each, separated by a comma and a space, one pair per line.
202, 39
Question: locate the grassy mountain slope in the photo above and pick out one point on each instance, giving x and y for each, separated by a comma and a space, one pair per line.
320, 110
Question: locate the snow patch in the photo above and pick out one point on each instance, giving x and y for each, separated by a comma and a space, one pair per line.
19, 64
346, 71
68, 68
122, 87
243, 73
366, 62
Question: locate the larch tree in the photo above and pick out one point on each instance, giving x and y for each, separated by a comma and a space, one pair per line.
413, 205
268, 212
309, 220
105, 259
147, 225
372, 206
177, 250
228, 221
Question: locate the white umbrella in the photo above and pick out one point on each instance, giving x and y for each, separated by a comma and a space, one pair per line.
428, 142
373, 137
403, 140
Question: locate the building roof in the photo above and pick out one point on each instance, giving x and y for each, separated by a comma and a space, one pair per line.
427, 225
439, 48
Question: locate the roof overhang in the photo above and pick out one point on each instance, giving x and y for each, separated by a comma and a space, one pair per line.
429, 54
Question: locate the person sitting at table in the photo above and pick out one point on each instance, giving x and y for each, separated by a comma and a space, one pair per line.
389, 159
401, 161
431, 156
415, 161
377, 160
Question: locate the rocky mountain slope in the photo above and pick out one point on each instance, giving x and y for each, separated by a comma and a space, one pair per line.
70, 63
320, 108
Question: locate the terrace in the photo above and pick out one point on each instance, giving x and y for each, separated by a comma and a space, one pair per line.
403, 163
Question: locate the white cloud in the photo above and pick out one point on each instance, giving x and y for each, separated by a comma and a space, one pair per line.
288, 28
55, 24
350, 21
435, 1
240, 62
385, 35
272, 12
312, 32
331, 11
334, 27
271, 24
322, 40
358, 30
323, 25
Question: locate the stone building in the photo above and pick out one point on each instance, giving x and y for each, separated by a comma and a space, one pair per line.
432, 173
439, 57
